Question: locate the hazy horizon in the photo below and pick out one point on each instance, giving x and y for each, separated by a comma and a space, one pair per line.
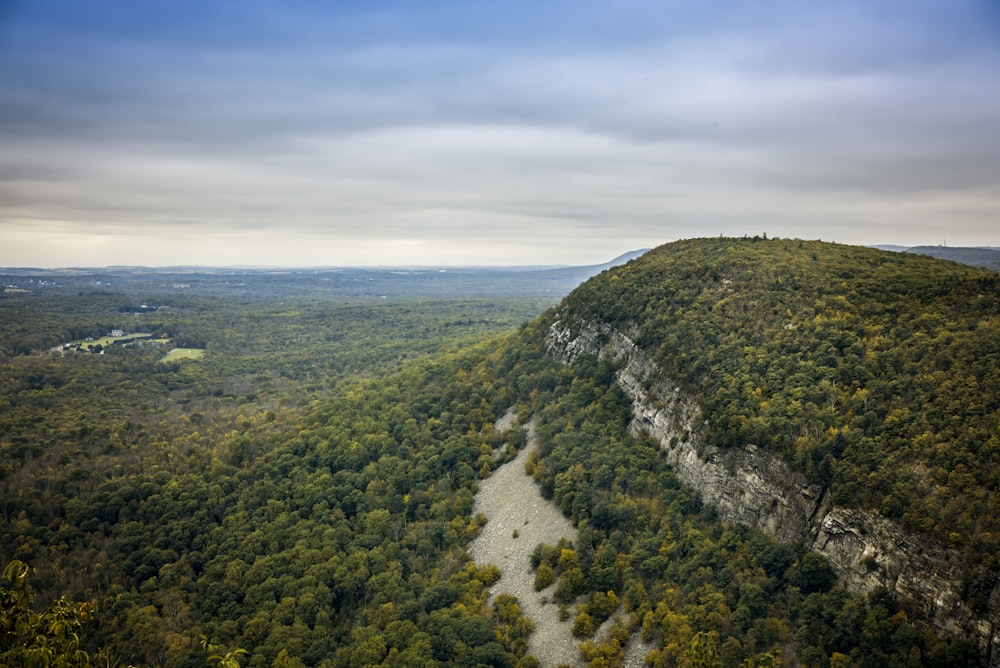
418, 267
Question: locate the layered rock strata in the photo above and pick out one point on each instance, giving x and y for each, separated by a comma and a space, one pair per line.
754, 487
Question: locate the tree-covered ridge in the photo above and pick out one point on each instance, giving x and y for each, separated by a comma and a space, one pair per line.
875, 373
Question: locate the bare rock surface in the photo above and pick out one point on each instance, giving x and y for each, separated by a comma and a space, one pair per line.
510, 500
636, 651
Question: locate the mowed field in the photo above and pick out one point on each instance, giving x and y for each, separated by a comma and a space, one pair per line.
184, 354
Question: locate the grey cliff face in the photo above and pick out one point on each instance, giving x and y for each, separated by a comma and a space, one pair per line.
751, 486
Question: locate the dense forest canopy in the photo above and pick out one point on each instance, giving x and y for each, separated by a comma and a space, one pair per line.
875, 373
302, 495
138, 484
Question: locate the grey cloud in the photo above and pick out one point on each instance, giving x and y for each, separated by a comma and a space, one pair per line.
699, 134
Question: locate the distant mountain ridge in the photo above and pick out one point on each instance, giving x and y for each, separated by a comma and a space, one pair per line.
546, 282
239, 269
976, 256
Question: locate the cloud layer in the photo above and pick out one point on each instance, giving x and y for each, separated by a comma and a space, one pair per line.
246, 132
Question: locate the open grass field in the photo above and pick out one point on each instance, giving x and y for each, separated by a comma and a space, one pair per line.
184, 354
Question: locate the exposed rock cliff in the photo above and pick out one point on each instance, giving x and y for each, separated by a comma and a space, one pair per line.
754, 487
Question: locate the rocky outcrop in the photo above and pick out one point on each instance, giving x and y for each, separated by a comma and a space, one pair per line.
754, 487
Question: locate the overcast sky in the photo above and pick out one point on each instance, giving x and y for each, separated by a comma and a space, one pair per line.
238, 132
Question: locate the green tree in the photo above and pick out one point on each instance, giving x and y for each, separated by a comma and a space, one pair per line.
230, 659
50, 638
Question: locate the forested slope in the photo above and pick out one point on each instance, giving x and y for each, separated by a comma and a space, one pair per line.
875, 373
266, 497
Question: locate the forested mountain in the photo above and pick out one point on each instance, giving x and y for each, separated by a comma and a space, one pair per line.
875, 373
867, 379
302, 495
